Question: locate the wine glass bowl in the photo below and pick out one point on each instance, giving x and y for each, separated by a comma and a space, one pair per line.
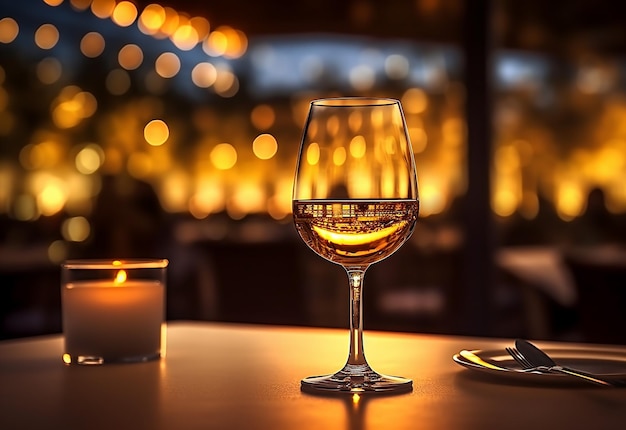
355, 202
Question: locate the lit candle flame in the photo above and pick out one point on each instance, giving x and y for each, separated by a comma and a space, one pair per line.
120, 277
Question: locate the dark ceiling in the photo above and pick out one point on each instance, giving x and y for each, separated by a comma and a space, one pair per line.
557, 26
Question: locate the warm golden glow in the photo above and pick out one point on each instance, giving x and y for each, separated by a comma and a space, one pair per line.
53, 2
223, 156
140, 165
152, 18
171, 22
237, 44
124, 14
120, 277
332, 126
355, 121
201, 25
226, 84
264, 146
433, 198
167, 65
419, 139
468, 355
247, 198
359, 238
75, 229
357, 147
8, 30
52, 198
72, 106
414, 101
570, 200
504, 202
262, 117
156, 132
103, 8
204, 75
175, 189
130, 57
92, 44
46, 36
185, 37
339, 156
67, 359
89, 159
313, 154
209, 198
216, 44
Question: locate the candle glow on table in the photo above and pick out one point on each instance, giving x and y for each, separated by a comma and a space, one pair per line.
114, 319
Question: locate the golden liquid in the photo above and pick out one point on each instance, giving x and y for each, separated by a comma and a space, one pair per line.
355, 233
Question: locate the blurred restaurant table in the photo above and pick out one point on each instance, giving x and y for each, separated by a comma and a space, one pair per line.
587, 280
227, 376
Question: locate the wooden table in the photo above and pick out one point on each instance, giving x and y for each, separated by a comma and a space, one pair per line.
218, 376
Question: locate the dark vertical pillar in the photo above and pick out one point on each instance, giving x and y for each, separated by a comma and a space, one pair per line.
478, 274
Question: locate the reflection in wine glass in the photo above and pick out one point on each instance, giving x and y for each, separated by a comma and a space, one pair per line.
355, 202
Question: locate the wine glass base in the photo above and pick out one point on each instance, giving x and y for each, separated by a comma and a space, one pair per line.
367, 381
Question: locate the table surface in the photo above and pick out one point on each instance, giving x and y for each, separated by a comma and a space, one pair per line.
221, 376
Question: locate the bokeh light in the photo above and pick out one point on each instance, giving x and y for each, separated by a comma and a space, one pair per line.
8, 30
156, 132
124, 14
102, 8
130, 56
76, 229
224, 156
92, 44
167, 65
151, 18
265, 146
46, 36
89, 159
204, 75
185, 37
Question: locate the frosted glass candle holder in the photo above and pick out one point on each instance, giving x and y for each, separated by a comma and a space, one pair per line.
113, 310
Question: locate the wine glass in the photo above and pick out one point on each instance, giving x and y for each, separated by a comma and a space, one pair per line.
355, 202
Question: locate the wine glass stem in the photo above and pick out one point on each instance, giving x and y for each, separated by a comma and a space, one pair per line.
357, 356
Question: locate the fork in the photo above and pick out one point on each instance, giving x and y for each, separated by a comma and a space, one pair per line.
528, 366
522, 361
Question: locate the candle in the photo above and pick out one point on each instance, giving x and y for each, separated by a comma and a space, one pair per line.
116, 319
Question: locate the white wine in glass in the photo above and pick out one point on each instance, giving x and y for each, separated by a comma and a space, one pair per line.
355, 202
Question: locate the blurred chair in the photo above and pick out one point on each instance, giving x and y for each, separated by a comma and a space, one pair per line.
257, 281
600, 278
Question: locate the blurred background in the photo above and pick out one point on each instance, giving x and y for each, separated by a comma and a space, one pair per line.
169, 129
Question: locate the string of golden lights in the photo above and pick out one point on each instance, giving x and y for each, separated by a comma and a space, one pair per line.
231, 169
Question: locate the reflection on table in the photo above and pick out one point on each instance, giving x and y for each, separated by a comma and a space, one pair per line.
221, 376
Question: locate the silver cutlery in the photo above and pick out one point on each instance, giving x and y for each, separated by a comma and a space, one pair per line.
475, 359
529, 356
